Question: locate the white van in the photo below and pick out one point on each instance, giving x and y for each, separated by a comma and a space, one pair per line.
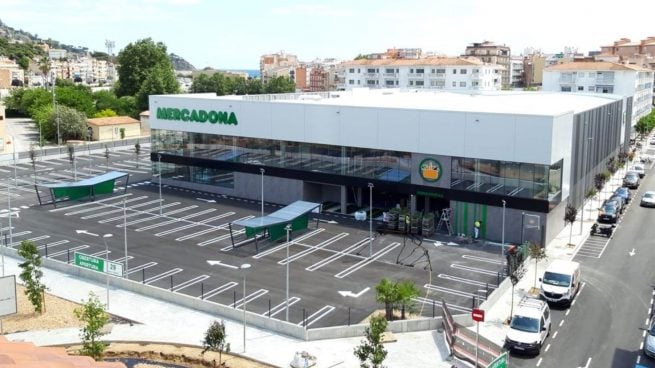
561, 282
529, 327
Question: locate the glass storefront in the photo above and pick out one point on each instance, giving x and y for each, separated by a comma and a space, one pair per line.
507, 178
526, 180
349, 161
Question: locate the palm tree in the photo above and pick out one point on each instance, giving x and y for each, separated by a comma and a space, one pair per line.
406, 291
387, 293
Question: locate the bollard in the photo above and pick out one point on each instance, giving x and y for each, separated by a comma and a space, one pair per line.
171, 282
486, 294
473, 302
68, 255
202, 290
304, 320
269, 308
498, 280
348, 316
46, 250
433, 305
143, 275
235, 299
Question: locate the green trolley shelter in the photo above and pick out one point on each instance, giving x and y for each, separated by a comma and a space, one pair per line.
273, 226
84, 189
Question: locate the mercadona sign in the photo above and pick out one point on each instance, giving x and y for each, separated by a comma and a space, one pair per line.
197, 116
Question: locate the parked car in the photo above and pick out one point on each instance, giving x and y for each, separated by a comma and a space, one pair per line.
649, 344
648, 199
639, 169
631, 180
625, 193
620, 202
609, 213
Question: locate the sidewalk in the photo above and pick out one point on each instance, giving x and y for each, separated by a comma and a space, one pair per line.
159, 321
498, 312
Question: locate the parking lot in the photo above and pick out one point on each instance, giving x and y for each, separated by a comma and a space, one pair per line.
333, 268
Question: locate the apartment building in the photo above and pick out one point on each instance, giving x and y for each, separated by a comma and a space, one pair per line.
533, 69
517, 72
278, 64
625, 49
493, 53
454, 73
9, 71
631, 81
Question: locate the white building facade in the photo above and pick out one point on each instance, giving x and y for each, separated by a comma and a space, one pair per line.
425, 150
459, 74
633, 82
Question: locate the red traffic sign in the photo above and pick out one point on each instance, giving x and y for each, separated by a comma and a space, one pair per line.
478, 315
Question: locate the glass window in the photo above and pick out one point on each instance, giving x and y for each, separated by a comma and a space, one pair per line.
462, 71
462, 84
454, 71
351, 70
420, 71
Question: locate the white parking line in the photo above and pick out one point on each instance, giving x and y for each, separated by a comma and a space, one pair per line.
314, 317
437, 303
188, 283
367, 261
100, 254
35, 239
122, 259
117, 210
104, 205
446, 290
219, 289
91, 203
281, 307
162, 275
313, 249
282, 246
53, 244
466, 281
71, 250
252, 296
482, 259
335, 256
141, 267
223, 226
154, 216
183, 218
474, 269
180, 228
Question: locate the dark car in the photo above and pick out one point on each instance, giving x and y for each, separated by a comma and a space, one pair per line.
609, 213
620, 202
625, 193
631, 180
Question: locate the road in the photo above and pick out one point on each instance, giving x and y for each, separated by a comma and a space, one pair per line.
606, 325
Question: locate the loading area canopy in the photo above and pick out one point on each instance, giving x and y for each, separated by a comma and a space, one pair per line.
82, 189
296, 214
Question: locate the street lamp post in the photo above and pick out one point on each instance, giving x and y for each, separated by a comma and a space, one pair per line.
502, 242
125, 235
244, 267
11, 232
104, 240
288, 229
13, 146
262, 171
159, 169
54, 105
370, 220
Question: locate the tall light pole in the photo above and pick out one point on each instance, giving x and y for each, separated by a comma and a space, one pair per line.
104, 240
502, 241
11, 232
244, 267
13, 147
159, 169
54, 105
370, 219
125, 235
288, 229
262, 171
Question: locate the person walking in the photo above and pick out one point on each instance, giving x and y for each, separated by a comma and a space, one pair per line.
476, 229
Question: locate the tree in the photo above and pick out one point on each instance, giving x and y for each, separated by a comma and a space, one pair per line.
33, 153
280, 85
121, 131
93, 317
570, 215
31, 274
386, 292
103, 100
77, 96
72, 124
407, 291
371, 352
215, 337
137, 151
159, 80
127, 107
71, 158
106, 113
537, 252
254, 87
136, 61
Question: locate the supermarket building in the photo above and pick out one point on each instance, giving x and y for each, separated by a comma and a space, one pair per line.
425, 150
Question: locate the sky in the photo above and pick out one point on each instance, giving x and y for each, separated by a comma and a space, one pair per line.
234, 34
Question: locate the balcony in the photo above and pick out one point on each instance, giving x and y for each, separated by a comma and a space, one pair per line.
605, 81
371, 75
437, 75
390, 75
566, 80
416, 75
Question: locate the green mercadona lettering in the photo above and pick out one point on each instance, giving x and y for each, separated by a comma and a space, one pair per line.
198, 116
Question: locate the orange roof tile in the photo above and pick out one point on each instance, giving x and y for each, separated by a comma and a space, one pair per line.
595, 65
26, 355
112, 120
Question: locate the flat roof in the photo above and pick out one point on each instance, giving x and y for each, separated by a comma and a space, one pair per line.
500, 102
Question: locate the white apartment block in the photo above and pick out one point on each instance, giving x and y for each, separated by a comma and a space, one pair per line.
604, 77
516, 72
435, 73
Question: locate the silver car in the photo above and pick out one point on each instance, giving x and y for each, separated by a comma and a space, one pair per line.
649, 344
648, 199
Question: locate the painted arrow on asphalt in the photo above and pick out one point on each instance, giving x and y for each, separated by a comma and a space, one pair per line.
219, 263
85, 232
632, 252
351, 294
328, 221
207, 200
